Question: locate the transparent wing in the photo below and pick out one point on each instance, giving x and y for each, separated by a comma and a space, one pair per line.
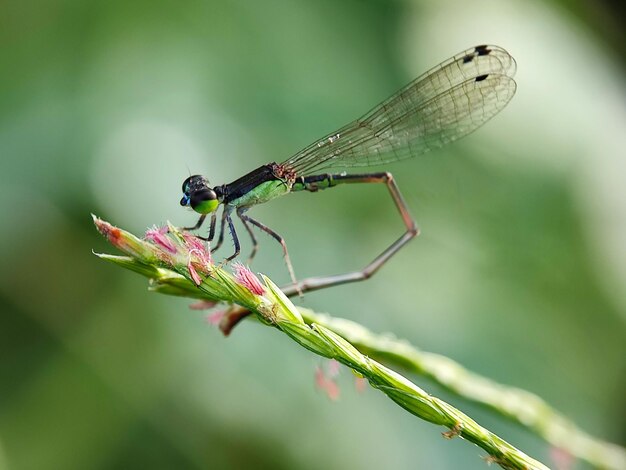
442, 105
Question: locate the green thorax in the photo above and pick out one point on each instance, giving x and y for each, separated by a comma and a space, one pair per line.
261, 193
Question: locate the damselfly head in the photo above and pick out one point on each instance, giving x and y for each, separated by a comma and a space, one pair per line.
198, 195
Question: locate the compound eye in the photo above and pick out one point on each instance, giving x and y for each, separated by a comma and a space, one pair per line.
204, 201
186, 185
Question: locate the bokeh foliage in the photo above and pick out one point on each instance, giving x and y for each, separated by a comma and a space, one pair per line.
519, 275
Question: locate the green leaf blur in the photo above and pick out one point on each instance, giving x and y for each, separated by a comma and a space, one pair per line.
518, 275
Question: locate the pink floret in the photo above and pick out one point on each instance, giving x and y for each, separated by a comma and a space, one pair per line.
158, 236
203, 305
216, 317
246, 278
193, 273
328, 385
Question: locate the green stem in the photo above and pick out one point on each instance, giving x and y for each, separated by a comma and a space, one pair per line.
518, 405
174, 271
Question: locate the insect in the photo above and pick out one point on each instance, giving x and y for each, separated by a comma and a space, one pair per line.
442, 105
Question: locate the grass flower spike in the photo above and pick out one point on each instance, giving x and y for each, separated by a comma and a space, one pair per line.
178, 264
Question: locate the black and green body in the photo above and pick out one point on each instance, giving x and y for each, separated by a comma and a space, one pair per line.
446, 103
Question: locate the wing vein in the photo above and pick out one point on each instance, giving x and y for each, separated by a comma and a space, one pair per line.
446, 103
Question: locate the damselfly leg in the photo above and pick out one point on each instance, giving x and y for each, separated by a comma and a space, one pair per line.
314, 183
245, 219
198, 224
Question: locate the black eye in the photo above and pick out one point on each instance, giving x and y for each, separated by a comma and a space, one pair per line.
186, 184
199, 197
194, 183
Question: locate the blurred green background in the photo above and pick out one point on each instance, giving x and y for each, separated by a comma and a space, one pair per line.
520, 273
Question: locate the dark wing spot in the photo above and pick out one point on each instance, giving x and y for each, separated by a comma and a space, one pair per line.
482, 50
480, 78
468, 58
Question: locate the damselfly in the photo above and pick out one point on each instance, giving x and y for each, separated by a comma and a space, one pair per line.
439, 107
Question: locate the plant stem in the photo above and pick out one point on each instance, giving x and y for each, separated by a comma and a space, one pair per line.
177, 266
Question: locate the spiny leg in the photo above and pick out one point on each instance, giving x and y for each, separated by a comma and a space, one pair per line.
255, 243
220, 239
212, 227
246, 218
198, 224
314, 183
233, 234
